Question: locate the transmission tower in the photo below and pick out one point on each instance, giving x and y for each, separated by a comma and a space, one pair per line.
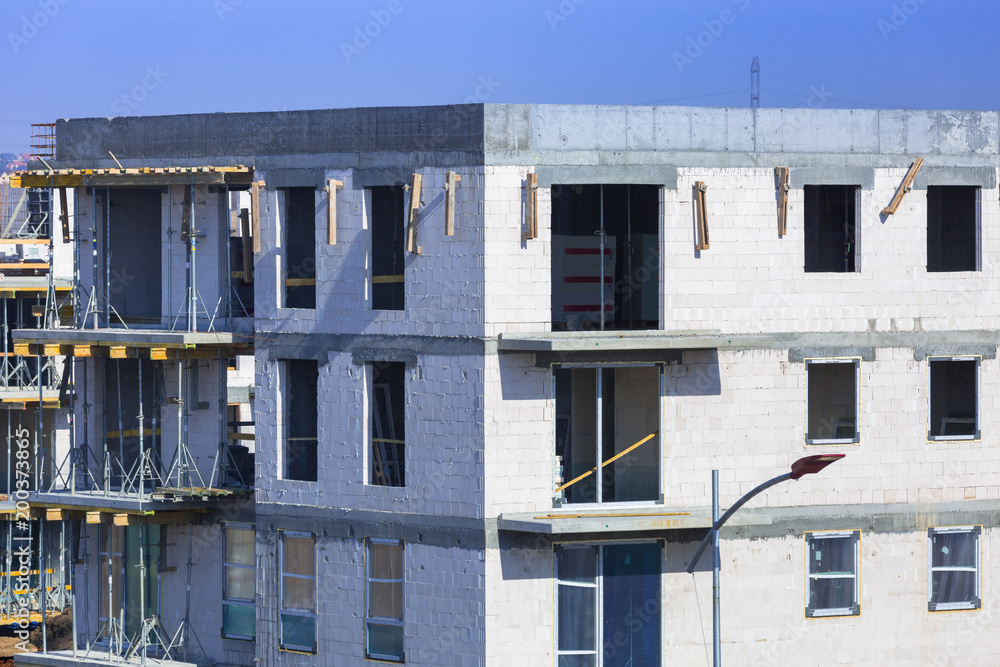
755, 83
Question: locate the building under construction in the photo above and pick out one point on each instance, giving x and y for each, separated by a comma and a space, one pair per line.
497, 352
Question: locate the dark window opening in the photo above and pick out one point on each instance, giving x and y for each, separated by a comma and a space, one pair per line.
627, 400
626, 219
952, 228
301, 419
954, 399
387, 423
300, 247
130, 416
133, 255
830, 228
240, 257
387, 248
833, 402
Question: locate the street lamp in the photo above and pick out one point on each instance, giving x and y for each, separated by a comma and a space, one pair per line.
804, 466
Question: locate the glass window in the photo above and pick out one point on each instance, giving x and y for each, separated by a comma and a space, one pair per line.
954, 568
608, 596
608, 414
298, 591
385, 600
238, 612
831, 401
833, 582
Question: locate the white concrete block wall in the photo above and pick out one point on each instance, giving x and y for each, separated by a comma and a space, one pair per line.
520, 603
443, 432
443, 284
763, 594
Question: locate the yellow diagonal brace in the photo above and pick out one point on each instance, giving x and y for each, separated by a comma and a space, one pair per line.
611, 460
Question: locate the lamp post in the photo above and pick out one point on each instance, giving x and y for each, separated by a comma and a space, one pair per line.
804, 466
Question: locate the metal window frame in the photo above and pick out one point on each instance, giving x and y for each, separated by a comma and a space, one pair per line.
819, 612
971, 605
282, 610
597, 367
381, 620
978, 435
599, 598
857, 400
236, 602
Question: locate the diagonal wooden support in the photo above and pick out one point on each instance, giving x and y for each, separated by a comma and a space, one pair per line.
255, 213
782, 174
701, 214
332, 186
531, 207
904, 187
450, 185
411, 225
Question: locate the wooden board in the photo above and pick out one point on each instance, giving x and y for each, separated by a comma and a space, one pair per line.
64, 214
904, 187
247, 246
255, 214
411, 224
701, 214
531, 207
782, 177
450, 185
332, 186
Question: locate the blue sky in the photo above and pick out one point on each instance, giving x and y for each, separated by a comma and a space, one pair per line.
79, 58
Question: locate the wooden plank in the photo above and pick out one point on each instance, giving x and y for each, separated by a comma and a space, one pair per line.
50, 350
255, 214
121, 520
53, 514
118, 352
299, 282
701, 214
411, 226
24, 241
332, 185
81, 351
64, 214
387, 279
21, 349
782, 181
451, 181
904, 187
247, 246
242, 436
531, 207
93, 517
158, 353
24, 266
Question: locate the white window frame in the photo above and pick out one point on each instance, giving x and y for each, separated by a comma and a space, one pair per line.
226, 600
599, 597
305, 613
814, 536
382, 620
977, 602
599, 488
974, 436
856, 361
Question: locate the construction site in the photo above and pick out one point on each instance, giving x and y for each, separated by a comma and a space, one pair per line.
447, 386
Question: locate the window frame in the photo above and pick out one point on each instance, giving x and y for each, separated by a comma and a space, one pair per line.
372, 427
302, 613
856, 439
237, 602
855, 240
812, 536
971, 605
599, 596
978, 435
380, 620
559, 499
285, 412
978, 222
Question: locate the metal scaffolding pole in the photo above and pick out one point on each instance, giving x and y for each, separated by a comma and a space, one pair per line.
43, 570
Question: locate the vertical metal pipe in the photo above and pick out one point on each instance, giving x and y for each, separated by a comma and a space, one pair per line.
601, 261
94, 279
599, 496
224, 241
170, 253
107, 257
716, 615
43, 562
142, 532
75, 300
142, 435
193, 285
68, 558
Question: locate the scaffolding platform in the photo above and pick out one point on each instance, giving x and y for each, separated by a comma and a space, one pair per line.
97, 342
96, 658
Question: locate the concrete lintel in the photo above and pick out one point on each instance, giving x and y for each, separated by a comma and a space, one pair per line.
637, 174
818, 344
569, 521
798, 355
295, 178
984, 351
597, 341
863, 176
317, 346
984, 177
546, 359
448, 531
378, 176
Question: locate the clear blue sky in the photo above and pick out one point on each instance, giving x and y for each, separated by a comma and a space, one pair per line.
79, 58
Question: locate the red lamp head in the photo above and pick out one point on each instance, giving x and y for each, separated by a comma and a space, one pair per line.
811, 464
